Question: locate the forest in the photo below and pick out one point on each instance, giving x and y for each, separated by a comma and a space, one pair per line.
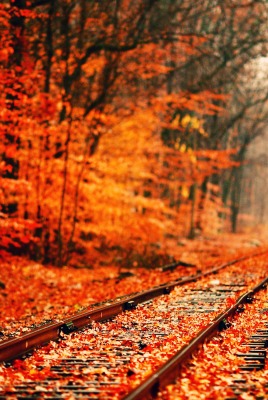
127, 123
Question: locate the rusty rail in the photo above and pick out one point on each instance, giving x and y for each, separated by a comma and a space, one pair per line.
16, 347
167, 373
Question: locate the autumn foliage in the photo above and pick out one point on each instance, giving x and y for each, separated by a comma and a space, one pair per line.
121, 124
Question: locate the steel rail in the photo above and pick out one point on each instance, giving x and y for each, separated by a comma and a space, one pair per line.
11, 349
168, 372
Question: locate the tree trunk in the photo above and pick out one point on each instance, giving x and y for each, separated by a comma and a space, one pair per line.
11, 138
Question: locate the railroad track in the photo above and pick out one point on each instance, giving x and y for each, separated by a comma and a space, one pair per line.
17, 346
130, 348
233, 364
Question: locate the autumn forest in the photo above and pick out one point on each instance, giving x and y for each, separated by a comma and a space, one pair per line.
127, 123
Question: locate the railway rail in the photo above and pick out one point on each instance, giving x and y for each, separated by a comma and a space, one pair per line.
16, 347
132, 347
233, 364
256, 356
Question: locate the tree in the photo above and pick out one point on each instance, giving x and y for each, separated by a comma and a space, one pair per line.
127, 113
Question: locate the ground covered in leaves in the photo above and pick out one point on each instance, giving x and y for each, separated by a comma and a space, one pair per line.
32, 294
109, 359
